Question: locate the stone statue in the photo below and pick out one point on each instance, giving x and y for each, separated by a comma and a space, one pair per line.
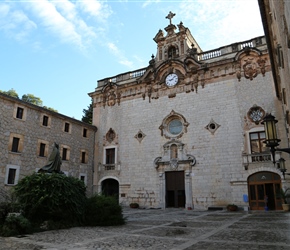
54, 162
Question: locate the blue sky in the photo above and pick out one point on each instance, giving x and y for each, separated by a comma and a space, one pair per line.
58, 50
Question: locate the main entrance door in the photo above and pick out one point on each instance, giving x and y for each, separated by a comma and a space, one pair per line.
263, 187
175, 189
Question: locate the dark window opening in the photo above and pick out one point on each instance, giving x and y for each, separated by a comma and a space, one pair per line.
11, 176
19, 113
110, 156
82, 178
83, 157
66, 127
42, 149
171, 52
15, 144
85, 131
64, 154
45, 121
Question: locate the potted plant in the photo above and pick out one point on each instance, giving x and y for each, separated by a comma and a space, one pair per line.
284, 195
232, 207
134, 205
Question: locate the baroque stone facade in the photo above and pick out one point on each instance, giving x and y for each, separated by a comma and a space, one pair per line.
27, 134
184, 128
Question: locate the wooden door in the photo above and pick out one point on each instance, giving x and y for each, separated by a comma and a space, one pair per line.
175, 189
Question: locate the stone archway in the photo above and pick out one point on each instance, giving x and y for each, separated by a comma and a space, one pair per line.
110, 187
262, 189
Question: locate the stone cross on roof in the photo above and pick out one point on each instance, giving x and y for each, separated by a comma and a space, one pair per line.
170, 16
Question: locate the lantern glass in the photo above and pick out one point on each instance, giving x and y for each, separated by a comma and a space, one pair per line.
282, 163
269, 122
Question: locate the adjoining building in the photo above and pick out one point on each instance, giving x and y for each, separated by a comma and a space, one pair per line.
186, 130
27, 135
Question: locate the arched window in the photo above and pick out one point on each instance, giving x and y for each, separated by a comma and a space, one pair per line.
173, 151
171, 52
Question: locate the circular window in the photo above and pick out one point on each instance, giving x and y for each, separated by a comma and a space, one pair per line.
175, 127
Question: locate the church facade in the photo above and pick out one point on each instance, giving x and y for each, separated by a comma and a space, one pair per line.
186, 130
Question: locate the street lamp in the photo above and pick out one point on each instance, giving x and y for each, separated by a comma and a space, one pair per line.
272, 141
282, 166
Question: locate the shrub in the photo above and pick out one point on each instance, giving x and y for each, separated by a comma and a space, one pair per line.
103, 211
15, 225
52, 197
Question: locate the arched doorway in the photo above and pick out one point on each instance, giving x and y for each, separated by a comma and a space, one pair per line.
110, 187
262, 188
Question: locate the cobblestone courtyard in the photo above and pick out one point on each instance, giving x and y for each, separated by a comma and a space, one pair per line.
170, 229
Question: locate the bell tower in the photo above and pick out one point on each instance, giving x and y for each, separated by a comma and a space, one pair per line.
174, 44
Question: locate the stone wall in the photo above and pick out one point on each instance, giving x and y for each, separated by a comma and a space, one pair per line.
32, 132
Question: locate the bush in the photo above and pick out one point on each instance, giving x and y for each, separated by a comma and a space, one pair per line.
52, 197
103, 211
15, 225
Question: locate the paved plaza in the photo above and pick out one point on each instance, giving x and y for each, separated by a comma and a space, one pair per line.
170, 229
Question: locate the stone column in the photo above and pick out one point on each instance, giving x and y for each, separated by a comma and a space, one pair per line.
162, 189
188, 190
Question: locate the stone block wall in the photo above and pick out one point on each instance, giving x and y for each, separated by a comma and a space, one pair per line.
32, 132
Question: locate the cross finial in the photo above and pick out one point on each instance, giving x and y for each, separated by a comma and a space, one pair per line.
170, 16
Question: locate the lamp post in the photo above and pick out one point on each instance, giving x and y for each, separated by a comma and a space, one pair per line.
272, 141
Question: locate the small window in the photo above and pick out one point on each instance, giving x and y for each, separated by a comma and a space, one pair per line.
42, 149
85, 132
19, 113
45, 121
172, 52
15, 144
83, 177
12, 175
83, 157
175, 127
110, 156
64, 154
66, 127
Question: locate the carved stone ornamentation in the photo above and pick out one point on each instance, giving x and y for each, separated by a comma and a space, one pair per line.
111, 98
250, 69
140, 136
256, 114
212, 126
111, 135
261, 62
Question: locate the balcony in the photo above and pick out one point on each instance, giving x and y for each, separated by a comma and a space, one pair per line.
251, 161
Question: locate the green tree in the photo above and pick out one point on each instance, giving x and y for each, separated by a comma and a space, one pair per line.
52, 197
32, 99
88, 114
51, 109
10, 92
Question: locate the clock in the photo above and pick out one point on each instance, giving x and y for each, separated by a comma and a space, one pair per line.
171, 80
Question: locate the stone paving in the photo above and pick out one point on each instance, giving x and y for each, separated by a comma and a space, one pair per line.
170, 229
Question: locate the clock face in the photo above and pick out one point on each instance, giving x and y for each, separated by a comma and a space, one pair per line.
171, 80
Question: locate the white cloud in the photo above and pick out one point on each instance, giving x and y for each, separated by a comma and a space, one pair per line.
52, 20
15, 23
121, 58
221, 20
95, 9
148, 2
